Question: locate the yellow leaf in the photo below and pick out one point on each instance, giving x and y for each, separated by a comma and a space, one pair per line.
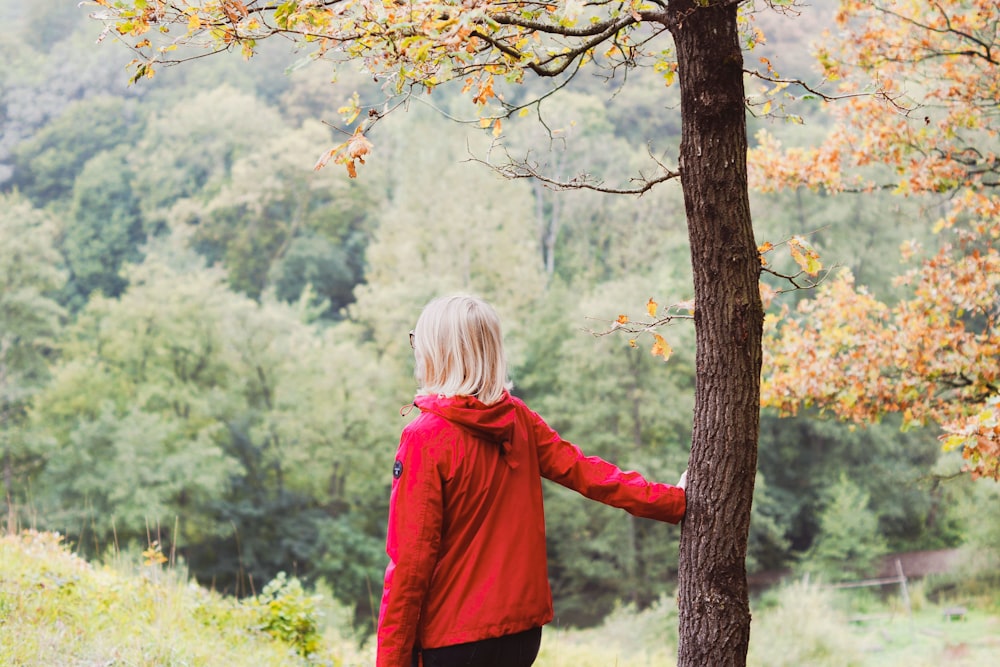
804, 255
194, 23
953, 442
767, 108
661, 348
651, 307
497, 129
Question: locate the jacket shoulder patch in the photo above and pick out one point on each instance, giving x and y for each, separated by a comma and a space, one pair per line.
397, 469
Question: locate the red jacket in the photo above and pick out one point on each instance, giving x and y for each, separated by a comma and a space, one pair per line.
466, 536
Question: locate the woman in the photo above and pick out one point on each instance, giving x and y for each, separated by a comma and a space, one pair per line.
467, 582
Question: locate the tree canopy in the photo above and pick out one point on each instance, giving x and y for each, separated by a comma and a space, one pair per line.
929, 134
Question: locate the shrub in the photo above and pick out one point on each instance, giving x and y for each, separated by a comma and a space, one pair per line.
289, 614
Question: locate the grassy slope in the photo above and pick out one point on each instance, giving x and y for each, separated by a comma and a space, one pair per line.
57, 610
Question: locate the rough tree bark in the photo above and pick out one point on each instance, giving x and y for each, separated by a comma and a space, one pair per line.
713, 597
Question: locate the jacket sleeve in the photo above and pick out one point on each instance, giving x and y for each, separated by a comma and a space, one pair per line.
412, 543
564, 463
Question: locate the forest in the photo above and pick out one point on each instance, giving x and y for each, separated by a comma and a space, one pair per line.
203, 339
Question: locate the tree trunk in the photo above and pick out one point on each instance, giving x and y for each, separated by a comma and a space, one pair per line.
713, 598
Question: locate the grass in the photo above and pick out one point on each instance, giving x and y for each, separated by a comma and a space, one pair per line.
803, 624
58, 610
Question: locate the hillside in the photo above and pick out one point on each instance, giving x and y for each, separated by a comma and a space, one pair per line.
57, 609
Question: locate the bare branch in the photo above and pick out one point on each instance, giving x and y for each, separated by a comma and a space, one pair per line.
795, 278
518, 169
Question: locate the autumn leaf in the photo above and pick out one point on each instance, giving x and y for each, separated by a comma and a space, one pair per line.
651, 307
767, 294
622, 319
350, 111
661, 348
805, 255
762, 249
326, 157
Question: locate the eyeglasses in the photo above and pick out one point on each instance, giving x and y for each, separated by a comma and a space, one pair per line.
411, 339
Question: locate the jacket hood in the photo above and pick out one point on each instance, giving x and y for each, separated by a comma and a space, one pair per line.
494, 423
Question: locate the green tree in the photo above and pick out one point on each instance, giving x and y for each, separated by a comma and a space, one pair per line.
477, 239
103, 228
47, 164
184, 403
275, 218
187, 151
30, 320
849, 542
802, 457
134, 415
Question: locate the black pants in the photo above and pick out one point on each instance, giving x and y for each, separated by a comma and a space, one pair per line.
518, 650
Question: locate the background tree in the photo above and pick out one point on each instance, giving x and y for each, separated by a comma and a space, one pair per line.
849, 539
30, 320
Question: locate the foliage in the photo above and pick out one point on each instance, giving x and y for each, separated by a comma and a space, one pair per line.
55, 607
289, 614
48, 163
104, 230
917, 503
932, 355
30, 322
849, 542
204, 406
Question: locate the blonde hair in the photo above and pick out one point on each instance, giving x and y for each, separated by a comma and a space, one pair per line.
458, 345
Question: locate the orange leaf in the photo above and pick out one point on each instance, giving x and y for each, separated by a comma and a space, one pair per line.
767, 294
661, 348
622, 319
358, 145
321, 162
651, 307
